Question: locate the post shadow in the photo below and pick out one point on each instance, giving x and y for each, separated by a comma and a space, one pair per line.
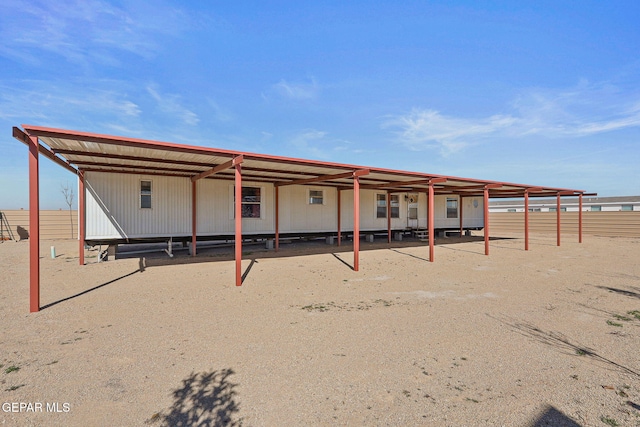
412, 256
343, 261
246, 272
140, 270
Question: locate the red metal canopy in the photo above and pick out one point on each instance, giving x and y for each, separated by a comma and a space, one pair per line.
81, 152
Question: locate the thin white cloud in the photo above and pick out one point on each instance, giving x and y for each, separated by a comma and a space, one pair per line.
172, 105
428, 129
581, 111
51, 102
84, 31
296, 91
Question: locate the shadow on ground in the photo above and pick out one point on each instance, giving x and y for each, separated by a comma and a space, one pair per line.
51, 304
550, 416
562, 343
225, 252
624, 292
205, 399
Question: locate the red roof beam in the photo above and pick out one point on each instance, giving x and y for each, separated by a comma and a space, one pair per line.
403, 183
171, 161
226, 165
567, 193
133, 172
316, 179
82, 165
74, 153
493, 186
22, 137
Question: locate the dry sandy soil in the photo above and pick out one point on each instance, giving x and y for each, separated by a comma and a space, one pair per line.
545, 337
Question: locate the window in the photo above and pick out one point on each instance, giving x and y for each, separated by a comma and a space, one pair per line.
535, 210
452, 207
316, 197
556, 209
511, 210
596, 208
145, 194
381, 206
626, 208
251, 202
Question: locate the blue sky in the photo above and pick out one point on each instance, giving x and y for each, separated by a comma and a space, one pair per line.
543, 93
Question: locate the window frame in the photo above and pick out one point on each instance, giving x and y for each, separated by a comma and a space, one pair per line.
232, 204
449, 210
395, 210
144, 193
310, 198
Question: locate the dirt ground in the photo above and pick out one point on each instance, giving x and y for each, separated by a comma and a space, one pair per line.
545, 337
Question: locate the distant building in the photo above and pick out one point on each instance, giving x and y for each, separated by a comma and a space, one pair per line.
570, 204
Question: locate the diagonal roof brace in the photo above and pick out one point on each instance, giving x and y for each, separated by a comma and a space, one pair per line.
400, 184
24, 138
324, 178
223, 166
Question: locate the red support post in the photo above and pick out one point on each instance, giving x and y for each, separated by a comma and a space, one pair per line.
34, 225
339, 217
461, 222
486, 221
194, 217
81, 217
356, 223
526, 220
558, 219
430, 220
238, 216
388, 217
580, 218
277, 218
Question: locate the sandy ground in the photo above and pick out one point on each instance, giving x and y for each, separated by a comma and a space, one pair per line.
545, 337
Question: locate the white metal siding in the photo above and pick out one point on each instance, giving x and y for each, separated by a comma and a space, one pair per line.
215, 208
472, 212
113, 206
298, 215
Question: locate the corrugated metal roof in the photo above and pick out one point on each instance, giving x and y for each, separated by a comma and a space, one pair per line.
113, 154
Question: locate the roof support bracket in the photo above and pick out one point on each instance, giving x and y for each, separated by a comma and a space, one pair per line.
223, 166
